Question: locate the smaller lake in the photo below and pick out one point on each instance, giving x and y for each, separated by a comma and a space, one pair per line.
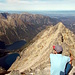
8, 60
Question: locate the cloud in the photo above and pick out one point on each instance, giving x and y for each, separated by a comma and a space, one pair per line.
12, 1
37, 4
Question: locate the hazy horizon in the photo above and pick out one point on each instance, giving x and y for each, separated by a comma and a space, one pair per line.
46, 13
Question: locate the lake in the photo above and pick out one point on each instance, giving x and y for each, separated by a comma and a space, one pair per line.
8, 60
16, 45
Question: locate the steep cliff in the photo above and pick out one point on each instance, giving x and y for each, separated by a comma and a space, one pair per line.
35, 58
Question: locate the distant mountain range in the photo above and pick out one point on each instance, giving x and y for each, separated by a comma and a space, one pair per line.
69, 22
66, 17
24, 26
14, 27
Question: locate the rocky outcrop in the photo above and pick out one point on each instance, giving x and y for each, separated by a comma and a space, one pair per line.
22, 26
14, 73
35, 58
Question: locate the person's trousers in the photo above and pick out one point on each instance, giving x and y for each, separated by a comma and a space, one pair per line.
67, 69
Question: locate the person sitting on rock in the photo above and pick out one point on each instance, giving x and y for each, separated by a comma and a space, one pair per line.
60, 65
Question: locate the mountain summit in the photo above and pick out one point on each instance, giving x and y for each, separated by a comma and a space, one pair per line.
35, 57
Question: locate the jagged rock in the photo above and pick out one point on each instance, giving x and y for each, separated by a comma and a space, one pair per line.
2, 70
14, 73
35, 57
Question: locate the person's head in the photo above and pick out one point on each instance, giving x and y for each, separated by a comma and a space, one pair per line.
57, 49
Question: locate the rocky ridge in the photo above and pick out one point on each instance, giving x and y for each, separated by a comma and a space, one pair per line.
35, 58
22, 26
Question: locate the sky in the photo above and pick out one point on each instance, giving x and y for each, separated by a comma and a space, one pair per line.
29, 5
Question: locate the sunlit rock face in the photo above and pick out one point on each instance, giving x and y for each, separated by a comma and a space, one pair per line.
22, 26
35, 57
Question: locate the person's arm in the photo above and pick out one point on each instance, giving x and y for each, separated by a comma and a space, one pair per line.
71, 57
71, 60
